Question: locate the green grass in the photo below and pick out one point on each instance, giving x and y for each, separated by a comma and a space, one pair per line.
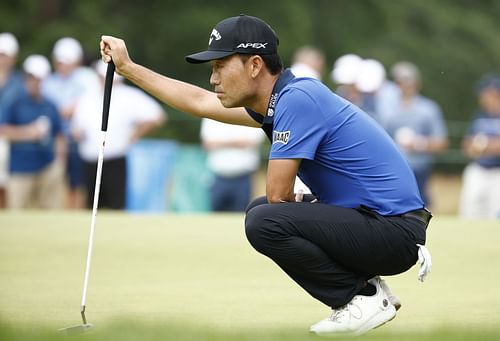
195, 277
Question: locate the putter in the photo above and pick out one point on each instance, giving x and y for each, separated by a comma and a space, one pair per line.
104, 127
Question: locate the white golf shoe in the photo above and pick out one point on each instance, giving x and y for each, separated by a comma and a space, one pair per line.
395, 301
360, 315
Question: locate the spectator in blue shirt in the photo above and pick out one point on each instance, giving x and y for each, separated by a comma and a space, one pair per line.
481, 178
417, 125
33, 126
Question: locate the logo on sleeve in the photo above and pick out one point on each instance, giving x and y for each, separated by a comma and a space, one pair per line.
281, 136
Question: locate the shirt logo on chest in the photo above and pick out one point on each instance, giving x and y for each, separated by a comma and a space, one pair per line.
281, 136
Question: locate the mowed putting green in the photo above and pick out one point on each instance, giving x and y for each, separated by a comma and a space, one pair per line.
195, 277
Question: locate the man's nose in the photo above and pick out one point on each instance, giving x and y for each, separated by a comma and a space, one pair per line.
214, 79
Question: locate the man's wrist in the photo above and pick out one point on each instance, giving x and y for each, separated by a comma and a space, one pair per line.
127, 69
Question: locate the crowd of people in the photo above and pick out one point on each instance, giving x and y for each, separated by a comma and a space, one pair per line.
50, 116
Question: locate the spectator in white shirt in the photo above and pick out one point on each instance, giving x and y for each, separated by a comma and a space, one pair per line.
132, 114
233, 157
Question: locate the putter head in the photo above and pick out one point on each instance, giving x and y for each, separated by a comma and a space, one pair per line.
81, 328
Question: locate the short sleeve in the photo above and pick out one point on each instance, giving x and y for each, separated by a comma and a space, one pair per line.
299, 126
6, 115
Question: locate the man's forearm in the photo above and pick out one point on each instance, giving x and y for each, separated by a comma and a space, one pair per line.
184, 97
177, 94
14, 133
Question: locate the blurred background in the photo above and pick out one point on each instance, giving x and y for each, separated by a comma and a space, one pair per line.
454, 43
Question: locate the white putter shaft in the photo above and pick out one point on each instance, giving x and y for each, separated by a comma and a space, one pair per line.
92, 224
104, 127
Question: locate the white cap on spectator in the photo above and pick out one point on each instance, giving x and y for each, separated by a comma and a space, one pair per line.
37, 65
8, 44
67, 51
405, 72
371, 75
345, 69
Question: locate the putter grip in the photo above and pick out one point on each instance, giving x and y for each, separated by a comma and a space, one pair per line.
107, 95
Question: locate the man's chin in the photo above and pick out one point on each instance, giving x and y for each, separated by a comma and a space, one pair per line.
227, 104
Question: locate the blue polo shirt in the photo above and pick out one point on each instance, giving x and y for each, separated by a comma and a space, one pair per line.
348, 160
31, 156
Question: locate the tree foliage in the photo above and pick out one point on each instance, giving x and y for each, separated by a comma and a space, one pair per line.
453, 42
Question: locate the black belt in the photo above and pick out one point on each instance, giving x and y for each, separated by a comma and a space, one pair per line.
423, 215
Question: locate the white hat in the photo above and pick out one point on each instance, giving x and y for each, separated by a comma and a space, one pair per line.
371, 75
37, 65
345, 69
8, 44
67, 51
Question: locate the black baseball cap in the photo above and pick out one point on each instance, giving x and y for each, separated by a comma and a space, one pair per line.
242, 34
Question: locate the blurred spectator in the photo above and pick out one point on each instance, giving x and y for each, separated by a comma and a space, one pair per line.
132, 114
11, 86
65, 86
308, 61
378, 96
233, 157
344, 74
364, 83
416, 124
369, 80
480, 196
33, 126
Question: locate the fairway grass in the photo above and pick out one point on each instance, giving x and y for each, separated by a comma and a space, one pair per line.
195, 277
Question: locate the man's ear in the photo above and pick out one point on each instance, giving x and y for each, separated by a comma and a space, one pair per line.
256, 63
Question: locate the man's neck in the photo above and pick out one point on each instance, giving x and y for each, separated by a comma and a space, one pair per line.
264, 92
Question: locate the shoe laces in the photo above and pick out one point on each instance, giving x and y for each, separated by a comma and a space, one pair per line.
339, 313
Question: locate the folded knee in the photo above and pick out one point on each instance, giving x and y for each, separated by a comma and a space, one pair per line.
258, 227
256, 202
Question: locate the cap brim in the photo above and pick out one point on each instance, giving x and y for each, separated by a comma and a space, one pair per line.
206, 56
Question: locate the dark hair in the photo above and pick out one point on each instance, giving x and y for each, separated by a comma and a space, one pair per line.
491, 80
272, 61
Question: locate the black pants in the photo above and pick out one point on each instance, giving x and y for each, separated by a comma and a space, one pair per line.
113, 183
331, 251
